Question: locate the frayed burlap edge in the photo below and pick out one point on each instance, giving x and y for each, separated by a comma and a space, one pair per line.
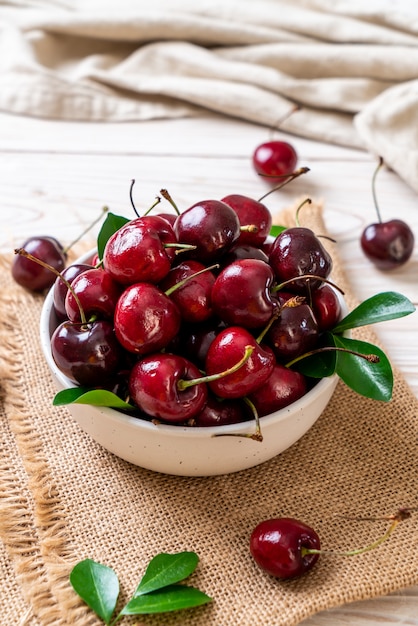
32, 517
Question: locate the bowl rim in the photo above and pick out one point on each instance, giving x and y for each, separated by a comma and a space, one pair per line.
322, 386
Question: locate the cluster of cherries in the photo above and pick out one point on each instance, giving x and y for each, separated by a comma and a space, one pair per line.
387, 244
196, 316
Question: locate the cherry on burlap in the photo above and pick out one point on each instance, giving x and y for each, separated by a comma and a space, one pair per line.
64, 498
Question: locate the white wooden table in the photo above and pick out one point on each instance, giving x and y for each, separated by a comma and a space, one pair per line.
55, 177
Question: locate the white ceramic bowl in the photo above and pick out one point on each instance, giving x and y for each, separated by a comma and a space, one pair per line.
188, 451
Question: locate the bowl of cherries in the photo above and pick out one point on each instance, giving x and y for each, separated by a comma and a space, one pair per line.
206, 341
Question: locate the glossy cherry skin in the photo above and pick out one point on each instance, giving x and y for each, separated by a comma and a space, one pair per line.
225, 351
388, 244
293, 333
250, 212
195, 340
97, 292
30, 274
211, 225
136, 251
218, 412
326, 307
145, 319
88, 354
283, 387
273, 159
241, 295
243, 251
276, 546
194, 298
60, 288
153, 386
297, 252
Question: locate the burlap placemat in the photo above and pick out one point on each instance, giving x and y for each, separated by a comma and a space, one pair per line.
64, 498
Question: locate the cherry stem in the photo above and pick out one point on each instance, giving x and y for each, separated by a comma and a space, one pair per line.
401, 515
376, 204
157, 201
131, 197
183, 384
307, 276
292, 302
256, 435
86, 230
287, 179
371, 358
27, 255
168, 197
180, 247
170, 290
307, 201
249, 228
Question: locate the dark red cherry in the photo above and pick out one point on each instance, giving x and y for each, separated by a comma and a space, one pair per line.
243, 251
274, 159
88, 354
250, 212
277, 546
241, 294
221, 412
293, 333
388, 244
154, 385
283, 387
60, 288
194, 298
30, 274
296, 252
326, 307
211, 225
145, 320
97, 293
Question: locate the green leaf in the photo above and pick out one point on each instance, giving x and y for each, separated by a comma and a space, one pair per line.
97, 585
384, 306
373, 380
167, 569
319, 365
111, 224
276, 230
95, 397
170, 598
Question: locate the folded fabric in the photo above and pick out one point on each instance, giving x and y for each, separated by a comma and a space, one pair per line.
339, 62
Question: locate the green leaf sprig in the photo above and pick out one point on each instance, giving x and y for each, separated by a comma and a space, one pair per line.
353, 360
158, 591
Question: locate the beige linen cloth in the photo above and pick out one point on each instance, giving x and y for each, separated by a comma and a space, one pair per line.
341, 61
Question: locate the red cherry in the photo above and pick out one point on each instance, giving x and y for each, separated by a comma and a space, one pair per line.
326, 307
154, 387
97, 293
283, 387
250, 212
241, 294
60, 288
277, 546
30, 274
274, 159
388, 244
136, 252
88, 354
145, 320
226, 349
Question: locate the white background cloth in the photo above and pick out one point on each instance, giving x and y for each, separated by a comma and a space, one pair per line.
351, 66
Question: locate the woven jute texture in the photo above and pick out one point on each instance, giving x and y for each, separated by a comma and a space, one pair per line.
63, 498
